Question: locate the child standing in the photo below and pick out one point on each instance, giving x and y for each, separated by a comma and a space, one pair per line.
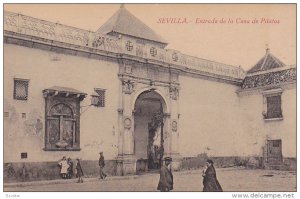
63, 167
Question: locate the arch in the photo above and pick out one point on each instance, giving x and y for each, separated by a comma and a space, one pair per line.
165, 104
63, 103
148, 131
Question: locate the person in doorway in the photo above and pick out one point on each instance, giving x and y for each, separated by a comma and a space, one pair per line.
166, 177
79, 171
63, 167
210, 182
101, 165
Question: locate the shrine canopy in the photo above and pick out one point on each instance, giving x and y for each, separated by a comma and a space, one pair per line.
268, 62
123, 23
63, 91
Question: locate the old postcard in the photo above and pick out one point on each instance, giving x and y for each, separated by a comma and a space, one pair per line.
150, 97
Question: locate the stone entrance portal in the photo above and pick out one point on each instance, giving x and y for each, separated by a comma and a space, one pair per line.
148, 119
149, 131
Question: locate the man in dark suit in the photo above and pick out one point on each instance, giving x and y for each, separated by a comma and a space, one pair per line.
166, 176
101, 165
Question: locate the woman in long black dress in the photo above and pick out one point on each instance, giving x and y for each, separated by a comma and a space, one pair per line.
210, 182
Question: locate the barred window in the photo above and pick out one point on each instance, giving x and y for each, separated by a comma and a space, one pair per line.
99, 100
23, 155
276, 143
274, 107
21, 89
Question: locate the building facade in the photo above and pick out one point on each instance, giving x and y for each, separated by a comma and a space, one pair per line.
72, 92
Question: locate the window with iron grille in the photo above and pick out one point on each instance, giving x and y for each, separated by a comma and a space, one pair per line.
23, 155
274, 107
21, 89
100, 99
276, 143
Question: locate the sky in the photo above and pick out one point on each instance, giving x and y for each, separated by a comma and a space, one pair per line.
231, 42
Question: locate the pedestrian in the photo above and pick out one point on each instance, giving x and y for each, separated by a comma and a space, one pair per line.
70, 169
79, 171
166, 176
23, 173
210, 182
101, 165
63, 167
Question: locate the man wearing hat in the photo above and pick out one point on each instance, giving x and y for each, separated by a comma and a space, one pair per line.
166, 176
102, 164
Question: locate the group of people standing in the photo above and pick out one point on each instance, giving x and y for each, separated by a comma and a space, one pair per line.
165, 184
66, 168
210, 182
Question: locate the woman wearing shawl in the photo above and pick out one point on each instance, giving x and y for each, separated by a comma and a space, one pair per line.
210, 181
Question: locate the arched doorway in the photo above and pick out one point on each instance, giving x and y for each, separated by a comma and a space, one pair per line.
149, 122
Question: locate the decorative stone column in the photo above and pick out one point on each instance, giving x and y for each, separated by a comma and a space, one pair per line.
126, 161
166, 134
174, 127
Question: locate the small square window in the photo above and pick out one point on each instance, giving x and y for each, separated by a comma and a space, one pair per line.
23, 155
99, 100
21, 89
276, 143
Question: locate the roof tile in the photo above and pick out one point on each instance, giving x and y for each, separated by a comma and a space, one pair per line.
268, 62
124, 22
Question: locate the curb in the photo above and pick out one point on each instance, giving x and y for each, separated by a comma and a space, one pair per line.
69, 181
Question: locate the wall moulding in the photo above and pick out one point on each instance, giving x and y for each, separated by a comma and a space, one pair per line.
49, 32
45, 44
260, 90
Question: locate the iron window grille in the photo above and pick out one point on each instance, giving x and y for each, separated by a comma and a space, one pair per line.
274, 107
99, 100
21, 89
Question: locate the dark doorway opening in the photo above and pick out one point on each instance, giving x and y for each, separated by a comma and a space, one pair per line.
149, 131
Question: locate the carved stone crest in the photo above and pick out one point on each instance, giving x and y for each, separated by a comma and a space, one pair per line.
128, 69
127, 123
174, 126
174, 92
128, 86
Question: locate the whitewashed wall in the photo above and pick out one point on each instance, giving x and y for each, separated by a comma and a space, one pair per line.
213, 118
209, 118
98, 125
256, 130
